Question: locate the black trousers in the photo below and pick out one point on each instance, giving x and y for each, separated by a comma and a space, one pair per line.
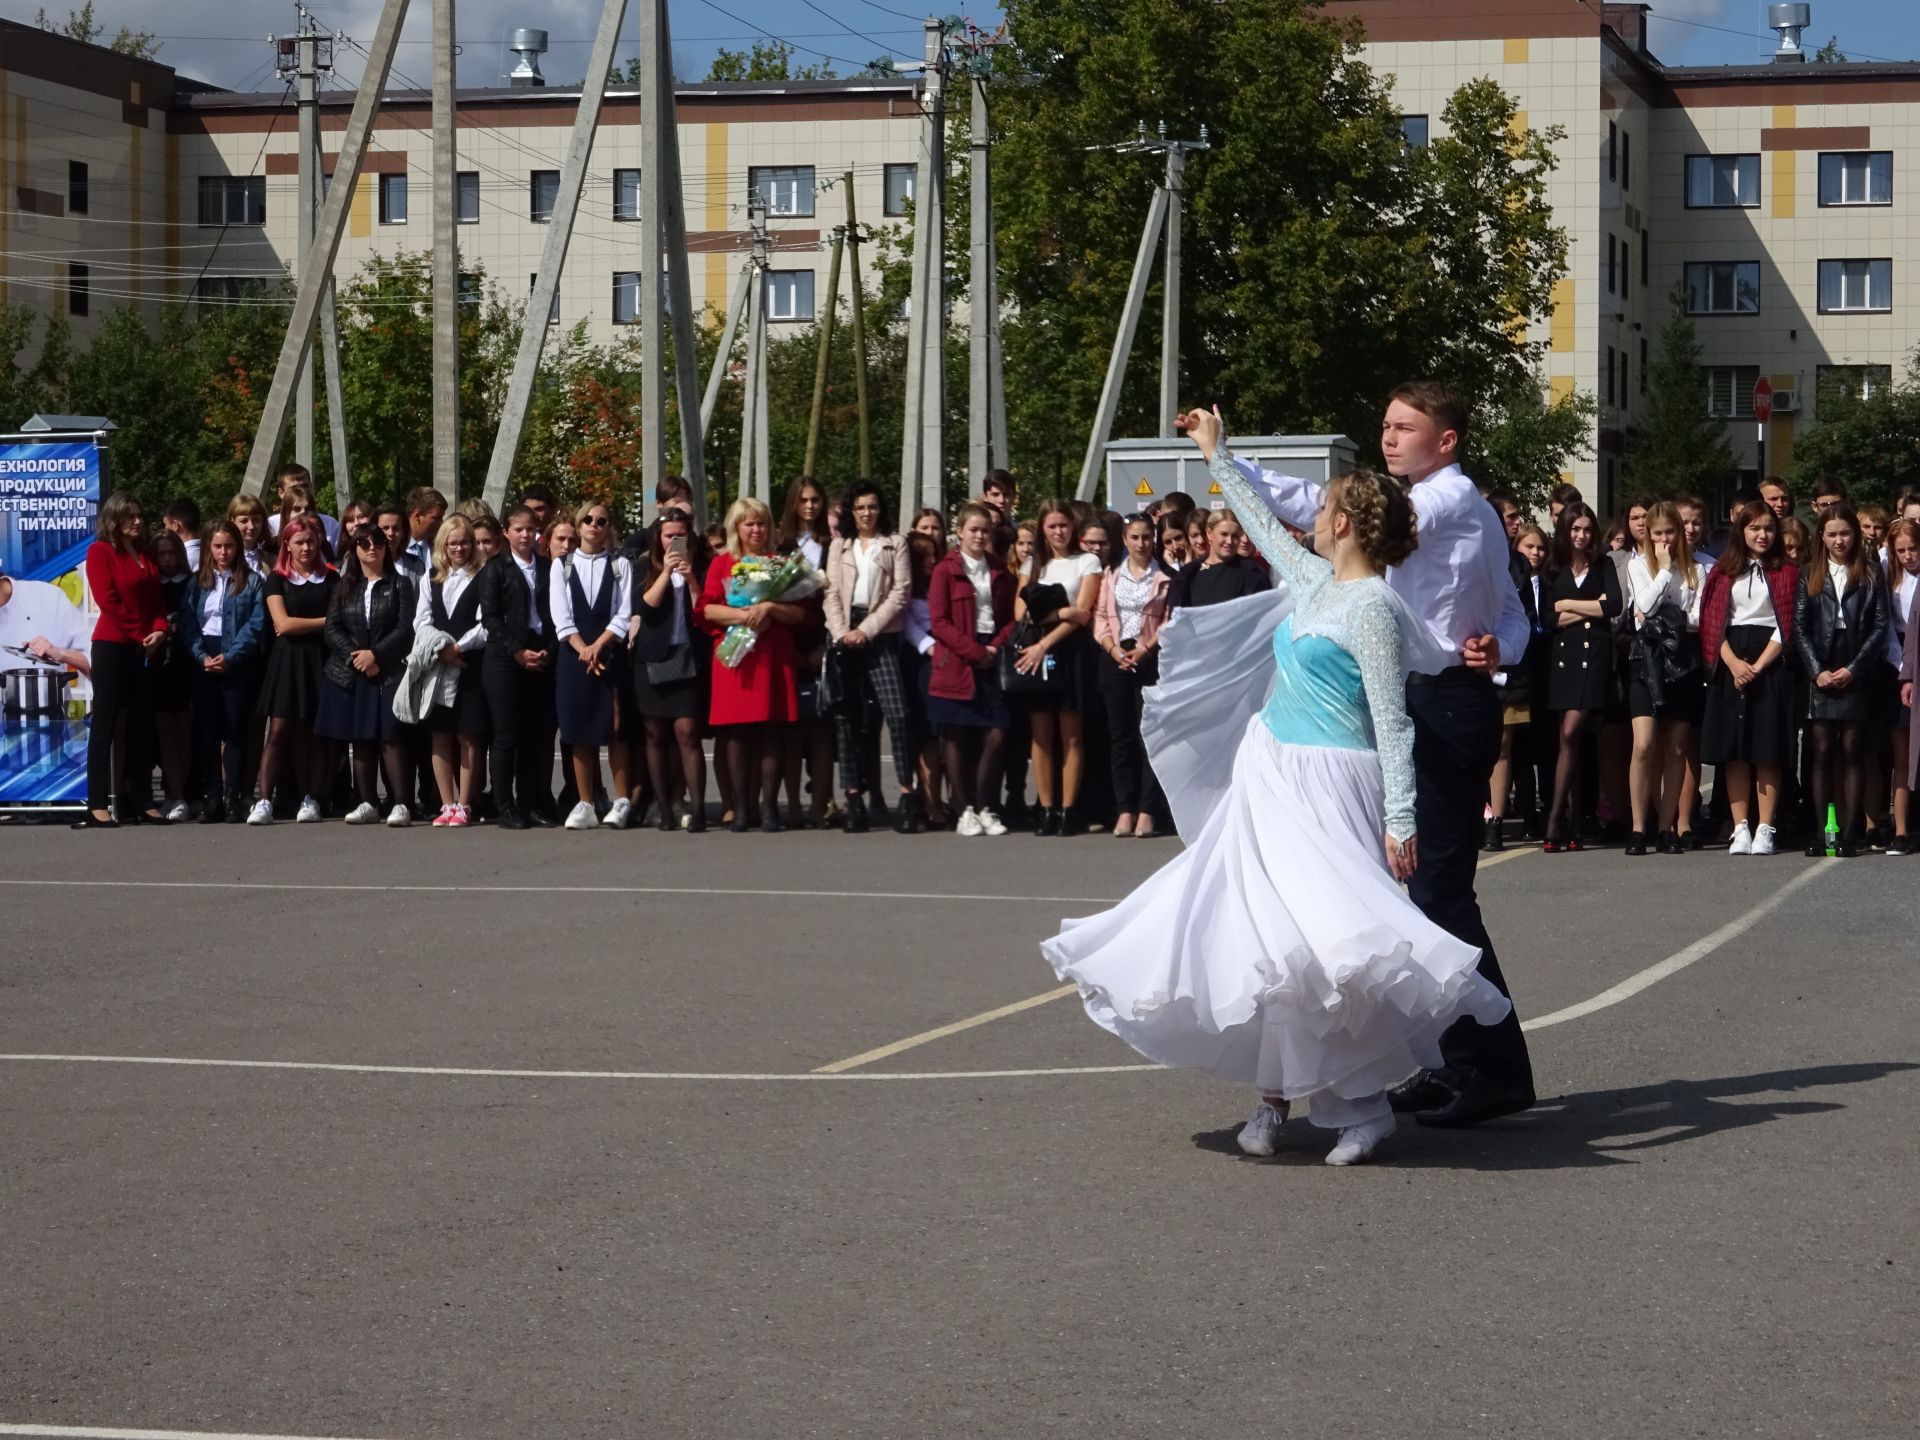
222, 716
1135, 787
122, 694
520, 756
1456, 739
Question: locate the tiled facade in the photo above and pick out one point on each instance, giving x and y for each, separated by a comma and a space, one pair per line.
1620, 192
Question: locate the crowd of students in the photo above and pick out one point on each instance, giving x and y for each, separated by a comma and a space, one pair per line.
411, 661
406, 661
1782, 658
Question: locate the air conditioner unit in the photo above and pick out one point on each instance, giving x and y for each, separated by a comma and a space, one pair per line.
1786, 402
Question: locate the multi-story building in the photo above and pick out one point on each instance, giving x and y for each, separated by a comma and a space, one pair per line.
123, 180
1770, 194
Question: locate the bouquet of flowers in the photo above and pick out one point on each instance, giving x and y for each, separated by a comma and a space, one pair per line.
756, 579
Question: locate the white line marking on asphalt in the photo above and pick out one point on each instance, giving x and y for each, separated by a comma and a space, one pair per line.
1681, 959
478, 1073
561, 890
867, 1057
91, 1432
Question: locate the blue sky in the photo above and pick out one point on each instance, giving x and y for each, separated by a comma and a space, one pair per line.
224, 40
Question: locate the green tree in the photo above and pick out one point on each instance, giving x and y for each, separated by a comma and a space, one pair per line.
1324, 260
766, 60
1830, 53
80, 25
1675, 447
1872, 442
1522, 444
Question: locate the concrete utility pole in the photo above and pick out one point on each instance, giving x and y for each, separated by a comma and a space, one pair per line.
723, 357
922, 460
859, 333
686, 361
446, 263
824, 351
309, 189
653, 350
1165, 201
755, 430
316, 273
986, 398
553, 255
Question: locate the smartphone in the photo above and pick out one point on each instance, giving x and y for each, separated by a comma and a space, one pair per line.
677, 545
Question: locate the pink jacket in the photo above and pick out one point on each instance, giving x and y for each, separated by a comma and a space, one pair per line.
1106, 615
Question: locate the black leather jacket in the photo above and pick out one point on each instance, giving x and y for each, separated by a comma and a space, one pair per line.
387, 630
1817, 638
504, 609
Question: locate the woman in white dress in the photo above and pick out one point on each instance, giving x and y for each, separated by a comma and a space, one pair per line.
1277, 950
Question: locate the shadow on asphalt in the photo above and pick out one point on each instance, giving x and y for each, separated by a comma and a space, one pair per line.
1602, 1127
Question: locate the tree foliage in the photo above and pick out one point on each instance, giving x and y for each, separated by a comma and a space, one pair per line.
766, 60
1324, 259
1871, 442
1521, 444
80, 25
1675, 447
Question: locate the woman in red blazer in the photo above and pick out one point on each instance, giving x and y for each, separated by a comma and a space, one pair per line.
131, 631
964, 699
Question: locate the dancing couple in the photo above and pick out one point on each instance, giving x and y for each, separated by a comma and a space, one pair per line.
1318, 744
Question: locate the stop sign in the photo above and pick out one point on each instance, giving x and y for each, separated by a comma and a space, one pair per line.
1762, 399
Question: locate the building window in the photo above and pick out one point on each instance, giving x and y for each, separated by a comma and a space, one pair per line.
1730, 391
1626, 161
899, 189
77, 187
1626, 269
543, 189
1623, 380
1643, 364
1860, 177
1730, 287
393, 199
1721, 181
626, 297
1613, 150
1843, 384
79, 289
1645, 246
233, 200
783, 189
626, 194
1849, 285
1413, 131
223, 289
466, 197
790, 294
553, 306
1610, 357
1613, 265
471, 290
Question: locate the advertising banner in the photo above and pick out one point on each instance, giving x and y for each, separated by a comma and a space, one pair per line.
50, 490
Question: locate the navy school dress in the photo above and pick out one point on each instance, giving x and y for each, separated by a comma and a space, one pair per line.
584, 704
468, 715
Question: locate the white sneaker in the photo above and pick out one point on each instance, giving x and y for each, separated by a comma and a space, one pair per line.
969, 823
1742, 840
1357, 1142
581, 817
399, 818
261, 813
364, 813
990, 823
1763, 840
1262, 1130
177, 811
309, 812
619, 813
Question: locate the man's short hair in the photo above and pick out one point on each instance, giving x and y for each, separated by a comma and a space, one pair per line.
426, 501
541, 493
184, 511
1438, 401
671, 487
1564, 494
293, 470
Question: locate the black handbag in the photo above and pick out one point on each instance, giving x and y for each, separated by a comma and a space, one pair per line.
1049, 679
681, 665
831, 693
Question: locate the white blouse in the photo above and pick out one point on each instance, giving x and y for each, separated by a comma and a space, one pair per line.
530, 572
1753, 601
1837, 581
811, 548
865, 567
213, 601
1067, 571
1651, 591
595, 572
980, 573
451, 589
1900, 593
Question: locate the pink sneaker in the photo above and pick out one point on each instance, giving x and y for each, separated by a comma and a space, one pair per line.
459, 815
445, 817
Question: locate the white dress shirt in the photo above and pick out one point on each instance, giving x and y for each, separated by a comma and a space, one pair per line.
530, 572
1457, 582
595, 571
451, 589
1651, 591
1837, 582
213, 600
1753, 601
980, 574
1900, 592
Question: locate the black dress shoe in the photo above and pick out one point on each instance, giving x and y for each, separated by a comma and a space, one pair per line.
237, 807
909, 819
1479, 1101
738, 825
1496, 841
1427, 1090
1051, 819
1636, 843
543, 819
855, 821
1671, 844
91, 821
211, 811
697, 822
1070, 822
1816, 850
1689, 840
512, 820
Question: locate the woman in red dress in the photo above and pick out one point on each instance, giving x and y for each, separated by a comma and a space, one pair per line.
753, 703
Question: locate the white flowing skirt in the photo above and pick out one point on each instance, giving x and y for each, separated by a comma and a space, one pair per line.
1276, 950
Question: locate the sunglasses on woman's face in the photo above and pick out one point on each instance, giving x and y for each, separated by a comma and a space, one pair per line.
368, 542
594, 520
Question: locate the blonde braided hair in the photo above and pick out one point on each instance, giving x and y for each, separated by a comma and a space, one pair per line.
1381, 512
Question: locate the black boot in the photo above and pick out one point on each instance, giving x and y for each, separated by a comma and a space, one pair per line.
237, 807
1071, 821
1636, 843
910, 819
211, 810
855, 821
1495, 840
1050, 820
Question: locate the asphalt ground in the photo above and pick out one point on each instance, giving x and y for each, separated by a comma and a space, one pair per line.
1706, 1228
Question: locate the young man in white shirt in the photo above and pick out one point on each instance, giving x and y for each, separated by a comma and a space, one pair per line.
1459, 584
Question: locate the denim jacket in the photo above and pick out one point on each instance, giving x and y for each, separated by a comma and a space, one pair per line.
243, 615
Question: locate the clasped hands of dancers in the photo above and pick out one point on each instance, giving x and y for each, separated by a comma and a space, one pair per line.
1291, 731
